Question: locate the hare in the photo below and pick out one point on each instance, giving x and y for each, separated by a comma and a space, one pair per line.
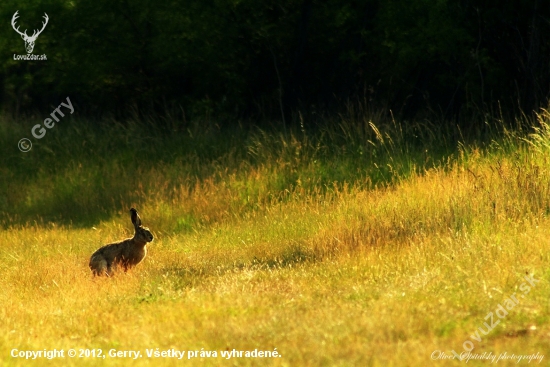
126, 253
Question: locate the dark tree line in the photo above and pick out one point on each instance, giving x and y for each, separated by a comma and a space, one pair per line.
250, 58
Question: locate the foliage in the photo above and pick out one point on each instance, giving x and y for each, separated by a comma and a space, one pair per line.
250, 58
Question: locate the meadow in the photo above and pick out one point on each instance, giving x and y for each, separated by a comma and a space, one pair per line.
351, 240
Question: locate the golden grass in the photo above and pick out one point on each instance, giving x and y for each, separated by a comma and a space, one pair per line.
335, 277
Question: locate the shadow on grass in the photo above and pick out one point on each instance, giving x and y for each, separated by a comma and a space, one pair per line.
92, 172
181, 277
68, 213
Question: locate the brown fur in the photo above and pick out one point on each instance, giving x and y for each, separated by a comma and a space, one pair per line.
127, 253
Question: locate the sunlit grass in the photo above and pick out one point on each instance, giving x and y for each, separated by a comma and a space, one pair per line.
255, 249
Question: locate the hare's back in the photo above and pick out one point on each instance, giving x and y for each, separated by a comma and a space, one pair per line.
111, 250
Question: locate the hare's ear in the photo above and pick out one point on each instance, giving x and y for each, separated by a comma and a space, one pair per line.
136, 220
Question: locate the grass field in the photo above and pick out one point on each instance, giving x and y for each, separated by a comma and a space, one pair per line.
359, 241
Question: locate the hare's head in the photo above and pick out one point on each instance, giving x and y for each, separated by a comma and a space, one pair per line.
142, 233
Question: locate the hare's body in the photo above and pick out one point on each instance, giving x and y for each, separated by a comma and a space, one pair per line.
126, 253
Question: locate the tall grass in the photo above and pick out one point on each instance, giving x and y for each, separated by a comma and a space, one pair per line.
82, 172
356, 241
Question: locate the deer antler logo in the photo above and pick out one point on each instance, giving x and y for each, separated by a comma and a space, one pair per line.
29, 41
